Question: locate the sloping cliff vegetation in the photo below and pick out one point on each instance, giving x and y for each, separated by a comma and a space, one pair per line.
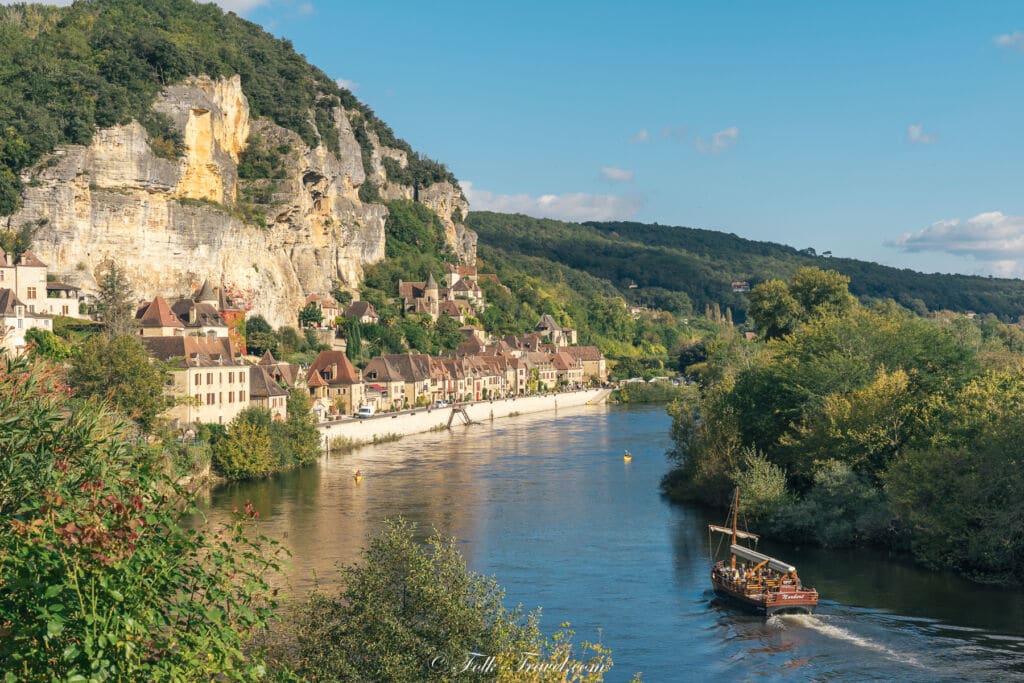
187, 143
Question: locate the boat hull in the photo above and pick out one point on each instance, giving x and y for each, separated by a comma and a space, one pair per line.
798, 601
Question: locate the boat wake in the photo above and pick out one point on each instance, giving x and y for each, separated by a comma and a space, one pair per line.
815, 623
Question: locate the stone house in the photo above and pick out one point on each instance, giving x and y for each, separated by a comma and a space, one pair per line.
267, 394
363, 311
15, 320
539, 363
420, 297
385, 385
156, 319
449, 375
285, 374
568, 369
556, 334
210, 382
27, 279
330, 309
335, 383
414, 369
594, 364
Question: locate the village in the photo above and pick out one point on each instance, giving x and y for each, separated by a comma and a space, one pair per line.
213, 380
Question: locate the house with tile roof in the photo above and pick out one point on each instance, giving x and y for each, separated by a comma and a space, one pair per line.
26, 277
156, 319
335, 383
330, 309
363, 311
568, 369
15, 320
594, 365
285, 374
267, 394
209, 380
385, 385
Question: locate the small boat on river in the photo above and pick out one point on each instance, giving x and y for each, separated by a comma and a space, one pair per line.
358, 476
628, 457
756, 582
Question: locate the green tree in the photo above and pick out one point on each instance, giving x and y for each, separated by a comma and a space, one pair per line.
114, 301
773, 308
353, 339
47, 344
119, 370
411, 612
310, 315
103, 577
246, 452
821, 292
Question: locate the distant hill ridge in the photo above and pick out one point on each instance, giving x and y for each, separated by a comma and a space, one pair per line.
703, 264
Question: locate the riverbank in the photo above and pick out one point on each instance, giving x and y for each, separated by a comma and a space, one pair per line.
420, 420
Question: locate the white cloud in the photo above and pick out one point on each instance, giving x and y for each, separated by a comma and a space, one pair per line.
347, 84
677, 133
1013, 40
720, 141
641, 136
917, 136
566, 207
992, 236
616, 174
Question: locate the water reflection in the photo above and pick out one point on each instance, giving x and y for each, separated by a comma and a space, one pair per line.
550, 508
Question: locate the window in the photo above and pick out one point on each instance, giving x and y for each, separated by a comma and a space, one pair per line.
30, 293
231, 378
241, 378
241, 397
64, 310
209, 378
231, 397
209, 399
199, 379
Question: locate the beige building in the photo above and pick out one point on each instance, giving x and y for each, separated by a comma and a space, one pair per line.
594, 365
27, 279
210, 384
335, 383
267, 394
15, 320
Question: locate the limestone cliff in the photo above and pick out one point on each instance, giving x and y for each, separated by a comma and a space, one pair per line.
172, 222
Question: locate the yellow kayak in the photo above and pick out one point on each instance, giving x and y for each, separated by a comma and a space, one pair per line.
628, 457
358, 476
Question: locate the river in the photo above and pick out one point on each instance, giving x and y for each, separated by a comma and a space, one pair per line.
546, 504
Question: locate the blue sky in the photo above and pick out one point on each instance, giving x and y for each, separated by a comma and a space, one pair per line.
888, 131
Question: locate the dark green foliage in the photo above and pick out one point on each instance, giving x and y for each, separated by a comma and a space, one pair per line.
259, 162
703, 263
648, 392
119, 371
412, 229
101, 63
256, 446
409, 607
17, 242
114, 302
102, 579
311, 314
46, 344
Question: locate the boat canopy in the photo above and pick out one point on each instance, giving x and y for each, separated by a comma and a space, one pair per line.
754, 556
739, 534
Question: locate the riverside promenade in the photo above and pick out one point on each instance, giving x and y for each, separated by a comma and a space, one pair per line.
420, 420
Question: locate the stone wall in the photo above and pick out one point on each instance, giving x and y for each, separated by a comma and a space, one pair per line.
424, 420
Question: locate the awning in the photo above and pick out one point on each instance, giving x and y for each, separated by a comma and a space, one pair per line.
756, 557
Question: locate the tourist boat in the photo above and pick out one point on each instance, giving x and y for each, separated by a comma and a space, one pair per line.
628, 457
757, 582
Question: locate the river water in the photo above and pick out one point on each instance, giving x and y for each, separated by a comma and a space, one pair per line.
546, 504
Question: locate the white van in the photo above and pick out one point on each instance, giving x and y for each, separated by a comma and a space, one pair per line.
366, 411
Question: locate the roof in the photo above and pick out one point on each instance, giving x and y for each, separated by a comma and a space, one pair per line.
314, 380
61, 287
262, 385
431, 282
192, 351
8, 300
410, 290
411, 367
546, 322
450, 308
323, 301
358, 309
207, 292
335, 368
589, 353
382, 370
197, 313
157, 314
31, 260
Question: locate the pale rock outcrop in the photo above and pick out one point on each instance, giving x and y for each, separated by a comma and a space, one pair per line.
172, 223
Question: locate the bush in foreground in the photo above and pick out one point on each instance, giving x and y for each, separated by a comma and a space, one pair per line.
415, 612
99, 580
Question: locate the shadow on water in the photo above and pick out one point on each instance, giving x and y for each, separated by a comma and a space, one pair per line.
547, 505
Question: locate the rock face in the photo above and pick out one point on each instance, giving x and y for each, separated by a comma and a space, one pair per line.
172, 223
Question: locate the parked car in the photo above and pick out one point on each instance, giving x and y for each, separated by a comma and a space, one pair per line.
440, 404
366, 411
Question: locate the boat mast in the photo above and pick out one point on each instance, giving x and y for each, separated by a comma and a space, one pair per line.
735, 513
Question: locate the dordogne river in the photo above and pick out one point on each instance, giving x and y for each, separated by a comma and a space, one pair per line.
546, 504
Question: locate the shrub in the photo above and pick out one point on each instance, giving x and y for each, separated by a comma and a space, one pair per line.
100, 579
